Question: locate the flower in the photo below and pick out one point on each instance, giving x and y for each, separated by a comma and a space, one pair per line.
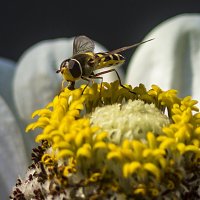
114, 142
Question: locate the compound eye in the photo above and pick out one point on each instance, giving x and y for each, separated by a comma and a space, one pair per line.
61, 67
64, 64
75, 68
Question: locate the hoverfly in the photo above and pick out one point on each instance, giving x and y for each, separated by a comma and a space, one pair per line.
84, 62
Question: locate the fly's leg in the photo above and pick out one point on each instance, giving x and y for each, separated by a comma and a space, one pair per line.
113, 70
71, 85
97, 77
62, 87
91, 78
88, 82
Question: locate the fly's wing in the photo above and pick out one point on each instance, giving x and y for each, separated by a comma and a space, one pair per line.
120, 59
128, 47
82, 44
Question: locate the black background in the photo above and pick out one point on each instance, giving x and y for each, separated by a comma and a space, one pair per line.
113, 23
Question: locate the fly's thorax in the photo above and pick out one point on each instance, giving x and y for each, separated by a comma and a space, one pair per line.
87, 62
71, 69
107, 59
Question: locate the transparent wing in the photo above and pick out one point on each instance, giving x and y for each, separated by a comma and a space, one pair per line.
128, 47
82, 44
123, 49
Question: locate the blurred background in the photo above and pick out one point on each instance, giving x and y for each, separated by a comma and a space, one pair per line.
112, 23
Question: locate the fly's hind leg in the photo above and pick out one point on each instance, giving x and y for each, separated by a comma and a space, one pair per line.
113, 70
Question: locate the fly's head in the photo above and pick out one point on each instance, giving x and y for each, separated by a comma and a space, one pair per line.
71, 69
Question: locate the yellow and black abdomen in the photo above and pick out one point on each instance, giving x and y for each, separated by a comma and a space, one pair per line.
108, 60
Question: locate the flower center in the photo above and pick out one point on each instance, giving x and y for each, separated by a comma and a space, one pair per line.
131, 120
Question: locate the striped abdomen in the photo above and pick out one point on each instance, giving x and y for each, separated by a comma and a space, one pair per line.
107, 60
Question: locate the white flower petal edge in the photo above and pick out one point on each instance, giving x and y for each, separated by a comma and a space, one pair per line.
7, 70
172, 59
13, 158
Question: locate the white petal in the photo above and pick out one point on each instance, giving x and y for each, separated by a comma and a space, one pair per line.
172, 60
13, 159
7, 69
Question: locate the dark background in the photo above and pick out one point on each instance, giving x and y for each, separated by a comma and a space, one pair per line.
113, 23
